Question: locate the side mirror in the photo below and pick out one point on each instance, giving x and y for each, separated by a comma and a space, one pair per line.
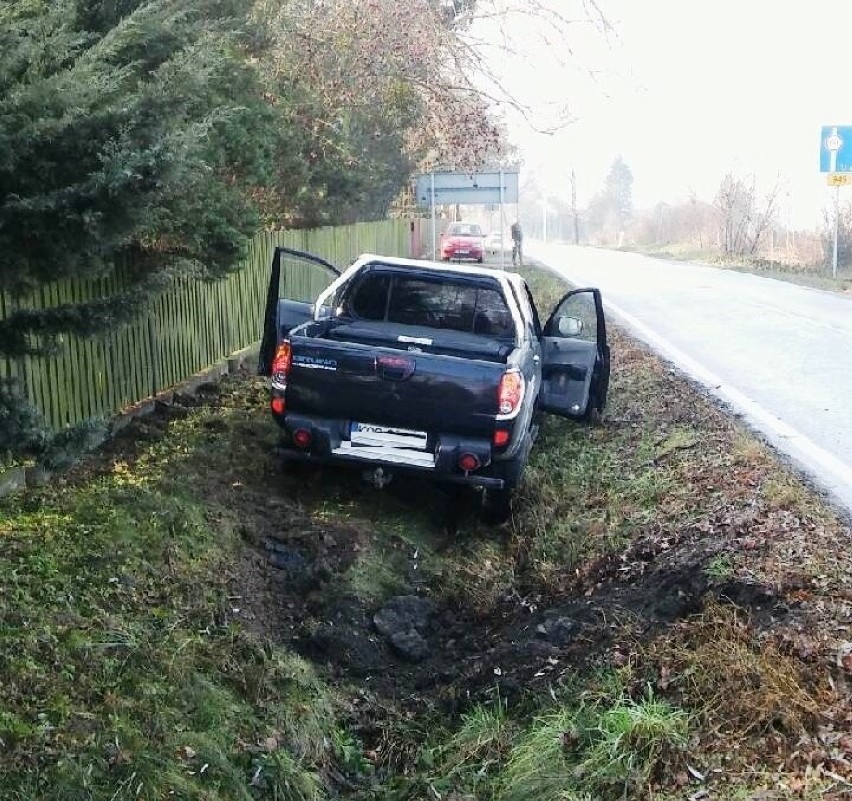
569, 326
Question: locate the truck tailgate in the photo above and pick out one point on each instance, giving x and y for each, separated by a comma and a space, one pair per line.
411, 390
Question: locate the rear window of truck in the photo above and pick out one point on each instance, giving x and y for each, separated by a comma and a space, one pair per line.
435, 303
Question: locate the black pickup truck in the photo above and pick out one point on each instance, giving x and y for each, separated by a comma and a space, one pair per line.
402, 364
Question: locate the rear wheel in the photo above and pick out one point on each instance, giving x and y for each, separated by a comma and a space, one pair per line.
496, 505
297, 470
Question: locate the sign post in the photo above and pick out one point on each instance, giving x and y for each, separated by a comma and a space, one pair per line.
502, 225
836, 227
432, 203
837, 162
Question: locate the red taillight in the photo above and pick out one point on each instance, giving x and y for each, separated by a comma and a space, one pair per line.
501, 438
277, 405
510, 394
468, 462
302, 438
281, 364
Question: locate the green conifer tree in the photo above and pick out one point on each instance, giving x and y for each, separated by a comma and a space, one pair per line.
128, 131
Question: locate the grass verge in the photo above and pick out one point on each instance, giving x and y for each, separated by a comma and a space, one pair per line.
124, 669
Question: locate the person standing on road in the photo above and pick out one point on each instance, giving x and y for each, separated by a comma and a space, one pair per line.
517, 242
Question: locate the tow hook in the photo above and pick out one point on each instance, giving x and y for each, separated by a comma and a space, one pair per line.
378, 477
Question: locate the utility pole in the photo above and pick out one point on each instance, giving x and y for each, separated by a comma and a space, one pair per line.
788, 226
574, 207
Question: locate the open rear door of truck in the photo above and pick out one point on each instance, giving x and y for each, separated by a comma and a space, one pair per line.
295, 280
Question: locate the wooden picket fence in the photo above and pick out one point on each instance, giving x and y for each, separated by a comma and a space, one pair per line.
185, 330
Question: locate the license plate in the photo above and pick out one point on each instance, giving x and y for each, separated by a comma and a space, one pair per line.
369, 434
462, 252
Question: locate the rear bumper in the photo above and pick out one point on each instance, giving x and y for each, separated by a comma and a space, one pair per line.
468, 254
330, 444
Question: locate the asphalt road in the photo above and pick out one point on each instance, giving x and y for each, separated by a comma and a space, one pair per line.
777, 353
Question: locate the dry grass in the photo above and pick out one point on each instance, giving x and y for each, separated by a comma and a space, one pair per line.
738, 682
480, 575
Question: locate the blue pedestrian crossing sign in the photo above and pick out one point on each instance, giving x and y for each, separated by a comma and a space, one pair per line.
835, 152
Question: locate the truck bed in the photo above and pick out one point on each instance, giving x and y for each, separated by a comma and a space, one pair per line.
429, 339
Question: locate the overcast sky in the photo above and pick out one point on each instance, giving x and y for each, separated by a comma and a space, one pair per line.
687, 90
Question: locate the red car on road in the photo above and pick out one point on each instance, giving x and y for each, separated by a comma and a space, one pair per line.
462, 242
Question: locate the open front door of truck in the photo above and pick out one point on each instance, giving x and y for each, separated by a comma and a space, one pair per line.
575, 356
295, 281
